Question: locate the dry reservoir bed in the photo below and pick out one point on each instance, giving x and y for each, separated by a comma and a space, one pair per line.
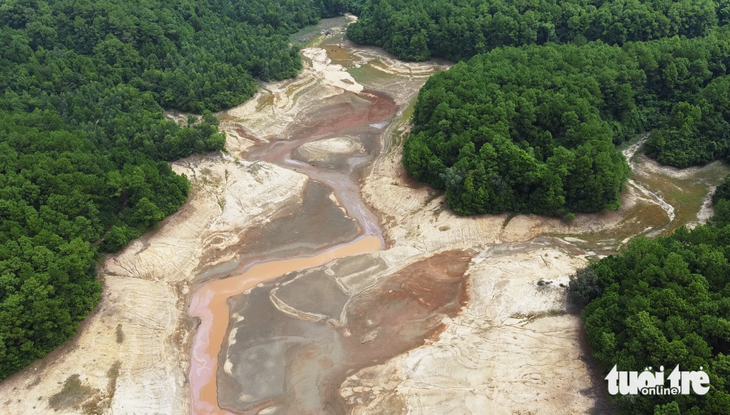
447, 318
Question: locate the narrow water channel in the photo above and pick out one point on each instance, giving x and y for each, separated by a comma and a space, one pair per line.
360, 116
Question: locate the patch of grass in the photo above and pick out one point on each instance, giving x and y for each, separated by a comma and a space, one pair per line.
366, 74
113, 374
401, 130
534, 315
71, 395
432, 197
438, 210
265, 100
315, 41
685, 195
410, 109
99, 403
555, 312
634, 223
225, 117
120, 334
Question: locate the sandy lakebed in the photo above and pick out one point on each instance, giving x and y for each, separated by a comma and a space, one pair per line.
308, 274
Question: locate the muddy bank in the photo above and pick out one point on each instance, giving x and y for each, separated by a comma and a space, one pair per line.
209, 305
293, 340
351, 111
132, 355
656, 201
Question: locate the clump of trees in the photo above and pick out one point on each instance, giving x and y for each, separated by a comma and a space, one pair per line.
84, 144
683, 100
526, 130
721, 203
458, 30
666, 301
531, 129
584, 287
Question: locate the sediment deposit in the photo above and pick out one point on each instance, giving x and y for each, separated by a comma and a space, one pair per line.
300, 335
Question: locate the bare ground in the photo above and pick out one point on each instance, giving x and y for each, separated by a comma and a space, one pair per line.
513, 349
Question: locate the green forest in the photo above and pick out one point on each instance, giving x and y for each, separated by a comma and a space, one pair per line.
524, 123
528, 121
460, 29
84, 144
533, 128
665, 302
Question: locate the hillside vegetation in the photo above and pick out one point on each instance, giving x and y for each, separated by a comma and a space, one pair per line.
84, 144
458, 30
665, 302
532, 128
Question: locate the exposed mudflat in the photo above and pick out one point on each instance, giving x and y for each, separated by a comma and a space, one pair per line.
308, 274
131, 355
317, 222
293, 340
334, 130
513, 348
656, 201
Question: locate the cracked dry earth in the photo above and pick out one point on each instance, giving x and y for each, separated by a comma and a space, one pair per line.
307, 274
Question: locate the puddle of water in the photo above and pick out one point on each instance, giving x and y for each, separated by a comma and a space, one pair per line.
310, 33
210, 306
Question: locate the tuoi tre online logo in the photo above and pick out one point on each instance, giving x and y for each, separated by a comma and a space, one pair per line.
649, 383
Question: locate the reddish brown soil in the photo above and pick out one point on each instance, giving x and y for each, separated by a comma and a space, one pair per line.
409, 306
348, 116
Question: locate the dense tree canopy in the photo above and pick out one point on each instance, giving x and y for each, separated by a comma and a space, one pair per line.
458, 30
84, 143
192, 55
721, 202
530, 129
666, 302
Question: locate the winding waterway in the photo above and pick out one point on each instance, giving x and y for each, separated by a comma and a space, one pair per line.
362, 116
209, 302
